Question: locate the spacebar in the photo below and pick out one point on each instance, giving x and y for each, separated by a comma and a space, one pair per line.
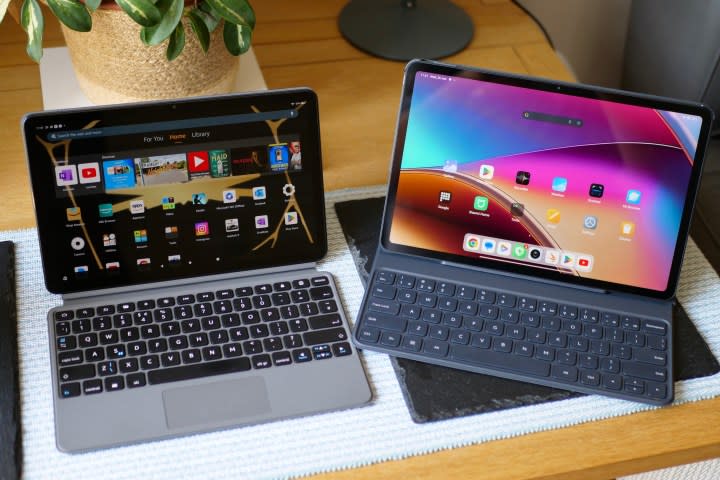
198, 370
503, 361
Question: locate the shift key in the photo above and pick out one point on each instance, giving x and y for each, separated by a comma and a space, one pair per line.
386, 322
78, 372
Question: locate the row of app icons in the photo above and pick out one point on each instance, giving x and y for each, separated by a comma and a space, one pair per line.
106, 210
552, 215
560, 184
172, 232
581, 262
113, 267
181, 167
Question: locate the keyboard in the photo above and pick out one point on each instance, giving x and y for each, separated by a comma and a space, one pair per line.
109, 347
538, 340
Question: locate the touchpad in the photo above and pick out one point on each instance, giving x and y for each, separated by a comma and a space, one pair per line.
213, 403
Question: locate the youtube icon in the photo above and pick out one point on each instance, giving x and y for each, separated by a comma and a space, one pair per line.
198, 162
89, 172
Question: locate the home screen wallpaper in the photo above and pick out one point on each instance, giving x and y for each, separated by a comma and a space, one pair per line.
581, 186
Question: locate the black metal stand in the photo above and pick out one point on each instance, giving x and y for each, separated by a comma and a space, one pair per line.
406, 29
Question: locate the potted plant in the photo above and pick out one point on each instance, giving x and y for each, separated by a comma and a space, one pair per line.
136, 49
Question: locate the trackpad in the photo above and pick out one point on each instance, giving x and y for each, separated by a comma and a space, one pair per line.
214, 403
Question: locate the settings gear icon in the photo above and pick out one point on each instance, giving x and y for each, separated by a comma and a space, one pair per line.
288, 189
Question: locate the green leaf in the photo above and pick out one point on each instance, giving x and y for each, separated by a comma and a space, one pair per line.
4, 4
170, 13
237, 38
72, 13
92, 4
208, 16
31, 19
200, 28
143, 12
176, 43
234, 11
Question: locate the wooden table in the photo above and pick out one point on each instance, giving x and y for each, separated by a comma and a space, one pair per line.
297, 43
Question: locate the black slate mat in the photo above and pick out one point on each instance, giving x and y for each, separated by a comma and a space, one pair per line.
436, 393
10, 446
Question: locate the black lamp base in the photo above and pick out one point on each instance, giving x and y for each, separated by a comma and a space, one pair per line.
403, 30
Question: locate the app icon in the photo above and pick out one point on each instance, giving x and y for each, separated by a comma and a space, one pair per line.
488, 245
590, 222
66, 175
105, 210
73, 214
584, 263
522, 177
517, 209
112, 266
633, 197
174, 260
472, 242
140, 236
202, 229
259, 193
229, 196
261, 221
109, 240
559, 184
535, 253
77, 243
553, 215
291, 218
504, 248
199, 198
445, 197
519, 250
119, 174
143, 264
171, 232
219, 163
487, 172
89, 172
481, 203
552, 256
198, 162
81, 271
137, 206
288, 189
168, 203
597, 190
627, 229
231, 225
567, 259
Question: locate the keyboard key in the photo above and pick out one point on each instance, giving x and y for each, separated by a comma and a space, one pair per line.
73, 357
66, 342
261, 361
301, 355
645, 356
589, 378
506, 300
459, 336
545, 353
219, 336
232, 350
406, 281
501, 361
325, 336
298, 325
609, 319
629, 323
485, 296
319, 281
547, 308
644, 370
588, 315
384, 306
205, 297
341, 349
106, 368
325, 321
611, 365
224, 294
68, 390
502, 345
135, 380
191, 356
251, 347
280, 359
524, 349
446, 289
258, 331
116, 351
77, 372
390, 339
88, 340
431, 316
566, 357
91, 387
480, 340
568, 311
263, 289
439, 332
453, 320
656, 390
657, 342
384, 277
410, 311
190, 372
272, 344
654, 327
294, 341
612, 382
129, 365
279, 328
105, 310
126, 307
564, 373
64, 315
527, 304
386, 322
412, 344
448, 304
146, 304
436, 348
114, 383
316, 293
170, 359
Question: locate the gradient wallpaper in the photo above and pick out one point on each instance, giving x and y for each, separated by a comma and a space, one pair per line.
641, 157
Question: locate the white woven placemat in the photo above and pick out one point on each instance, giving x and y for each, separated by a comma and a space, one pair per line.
381, 431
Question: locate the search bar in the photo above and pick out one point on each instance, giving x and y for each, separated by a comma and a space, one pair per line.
172, 125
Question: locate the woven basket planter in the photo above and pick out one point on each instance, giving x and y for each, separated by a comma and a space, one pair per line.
112, 65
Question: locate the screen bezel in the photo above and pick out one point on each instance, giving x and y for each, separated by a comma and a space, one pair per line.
591, 92
43, 187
